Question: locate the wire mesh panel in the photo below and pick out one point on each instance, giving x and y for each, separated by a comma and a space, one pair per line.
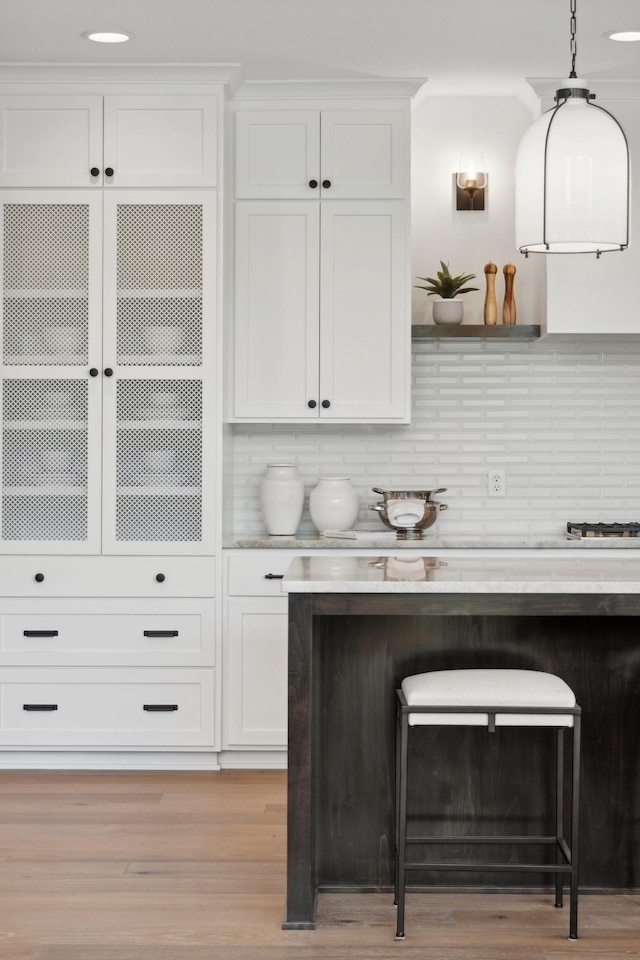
45, 283
159, 284
44, 460
159, 460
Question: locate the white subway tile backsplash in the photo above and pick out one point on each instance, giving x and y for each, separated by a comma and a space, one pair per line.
564, 420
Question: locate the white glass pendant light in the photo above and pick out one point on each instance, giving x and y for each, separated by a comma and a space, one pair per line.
572, 175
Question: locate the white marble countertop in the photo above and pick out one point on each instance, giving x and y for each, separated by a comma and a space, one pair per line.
428, 574
430, 543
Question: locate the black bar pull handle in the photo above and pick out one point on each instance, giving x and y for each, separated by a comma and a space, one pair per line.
40, 707
40, 633
160, 707
274, 576
161, 633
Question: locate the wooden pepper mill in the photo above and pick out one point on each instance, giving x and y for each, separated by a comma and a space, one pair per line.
490, 304
509, 305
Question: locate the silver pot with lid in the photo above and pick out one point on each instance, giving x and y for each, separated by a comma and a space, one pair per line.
408, 512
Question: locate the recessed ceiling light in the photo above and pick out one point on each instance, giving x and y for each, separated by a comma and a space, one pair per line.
104, 36
625, 36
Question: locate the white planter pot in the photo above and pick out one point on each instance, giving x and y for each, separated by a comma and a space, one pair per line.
333, 504
448, 312
282, 499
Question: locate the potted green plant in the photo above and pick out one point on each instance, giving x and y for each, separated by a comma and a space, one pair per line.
449, 309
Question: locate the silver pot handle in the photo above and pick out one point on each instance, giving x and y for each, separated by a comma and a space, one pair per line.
443, 506
378, 507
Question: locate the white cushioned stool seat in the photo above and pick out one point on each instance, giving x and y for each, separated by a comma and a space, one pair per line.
489, 688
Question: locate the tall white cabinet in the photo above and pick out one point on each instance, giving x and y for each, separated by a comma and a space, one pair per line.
322, 329
107, 357
110, 368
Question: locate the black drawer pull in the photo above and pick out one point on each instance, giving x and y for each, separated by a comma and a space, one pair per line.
274, 576
40, 707
161, 633
39, 577
160, 707
40, 633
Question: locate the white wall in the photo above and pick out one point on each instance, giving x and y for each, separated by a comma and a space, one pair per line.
442, 128
563, 419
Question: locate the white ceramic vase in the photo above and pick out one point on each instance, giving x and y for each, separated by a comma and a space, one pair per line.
282, 499
448, 312
333, 504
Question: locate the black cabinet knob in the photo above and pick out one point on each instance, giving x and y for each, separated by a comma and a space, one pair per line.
108, 372
326, 404
95, 172
160, 577
313, 184
39, 577
108, 171
94, 372
312, 404
325, 183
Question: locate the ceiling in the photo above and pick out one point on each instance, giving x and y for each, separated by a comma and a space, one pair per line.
464, 46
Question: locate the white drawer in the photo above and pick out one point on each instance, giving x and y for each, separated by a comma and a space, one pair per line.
257, 576
50, 576
108, 632
106, 708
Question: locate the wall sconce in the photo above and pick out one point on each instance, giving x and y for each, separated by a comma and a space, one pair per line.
471, 181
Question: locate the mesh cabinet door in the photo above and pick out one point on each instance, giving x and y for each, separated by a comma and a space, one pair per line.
159, 308
50, 268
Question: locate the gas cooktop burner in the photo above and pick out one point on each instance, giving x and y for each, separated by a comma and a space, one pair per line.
577, 531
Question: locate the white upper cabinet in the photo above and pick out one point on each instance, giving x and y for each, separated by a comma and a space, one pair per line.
120, 141
333, 154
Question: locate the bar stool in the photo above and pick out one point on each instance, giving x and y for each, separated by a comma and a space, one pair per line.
491, 698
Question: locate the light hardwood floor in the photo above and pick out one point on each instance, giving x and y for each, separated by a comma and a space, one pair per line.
191, 866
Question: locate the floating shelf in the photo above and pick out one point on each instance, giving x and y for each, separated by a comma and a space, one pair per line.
430, 331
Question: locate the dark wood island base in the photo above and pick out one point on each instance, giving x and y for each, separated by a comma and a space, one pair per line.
348, 652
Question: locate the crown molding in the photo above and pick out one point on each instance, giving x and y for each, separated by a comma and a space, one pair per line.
329, 89
545, 88
25, 74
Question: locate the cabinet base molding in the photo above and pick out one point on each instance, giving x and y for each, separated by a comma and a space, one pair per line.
253, 759
109, 760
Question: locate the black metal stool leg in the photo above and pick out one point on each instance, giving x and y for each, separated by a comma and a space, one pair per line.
575, 830
559, 810
402, 828
396, 811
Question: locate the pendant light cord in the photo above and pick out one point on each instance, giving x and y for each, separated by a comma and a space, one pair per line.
574, 44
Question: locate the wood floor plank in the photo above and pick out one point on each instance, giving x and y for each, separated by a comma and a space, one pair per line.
182, 866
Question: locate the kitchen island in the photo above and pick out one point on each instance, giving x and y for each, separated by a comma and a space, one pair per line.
353, 636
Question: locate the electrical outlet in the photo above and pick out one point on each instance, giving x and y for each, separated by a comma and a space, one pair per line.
496, 482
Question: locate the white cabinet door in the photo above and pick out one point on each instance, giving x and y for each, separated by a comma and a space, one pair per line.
364, 154
124, 141
364, 327
276, 309
322, 329
50, 317
335, 154
50, 141
277, 154
159, 346
160, 141
255, 655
